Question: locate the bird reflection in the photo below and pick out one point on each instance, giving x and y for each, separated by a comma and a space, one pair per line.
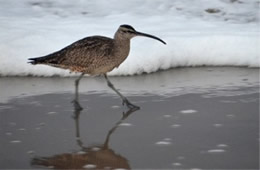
93, 157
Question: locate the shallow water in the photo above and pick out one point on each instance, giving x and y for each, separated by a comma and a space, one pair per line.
214, 129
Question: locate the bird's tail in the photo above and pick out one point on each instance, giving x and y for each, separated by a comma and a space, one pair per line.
33, 61
37, 60
48, 59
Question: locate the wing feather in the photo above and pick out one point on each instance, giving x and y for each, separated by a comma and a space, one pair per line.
86, 53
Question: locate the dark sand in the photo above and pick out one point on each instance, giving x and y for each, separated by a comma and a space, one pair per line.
190, 118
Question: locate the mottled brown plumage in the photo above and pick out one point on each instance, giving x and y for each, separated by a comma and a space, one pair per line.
94, 55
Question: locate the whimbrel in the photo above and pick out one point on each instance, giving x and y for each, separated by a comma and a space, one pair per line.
95, 55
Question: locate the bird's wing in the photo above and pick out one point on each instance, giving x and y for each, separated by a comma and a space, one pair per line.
89, 50
82, 53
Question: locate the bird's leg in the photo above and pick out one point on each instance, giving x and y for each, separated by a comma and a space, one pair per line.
77, 86
76, 100
125, 100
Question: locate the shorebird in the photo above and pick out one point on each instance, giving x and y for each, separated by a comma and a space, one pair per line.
95, 55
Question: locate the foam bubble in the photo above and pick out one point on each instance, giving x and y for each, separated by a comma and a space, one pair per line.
190, 111
125, 124
15, 141
163, 143
89, 166
216, 151
175, 125
218, 125
176, 164
222, 145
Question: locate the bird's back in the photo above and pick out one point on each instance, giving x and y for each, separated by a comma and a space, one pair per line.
92, 55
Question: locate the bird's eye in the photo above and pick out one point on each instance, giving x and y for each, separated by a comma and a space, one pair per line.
131, 32
128, 31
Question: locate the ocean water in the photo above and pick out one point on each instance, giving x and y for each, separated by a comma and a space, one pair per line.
198, 33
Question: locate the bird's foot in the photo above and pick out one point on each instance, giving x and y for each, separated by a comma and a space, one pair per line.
130, 105
76, 104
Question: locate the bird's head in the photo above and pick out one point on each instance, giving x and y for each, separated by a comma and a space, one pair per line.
128, 32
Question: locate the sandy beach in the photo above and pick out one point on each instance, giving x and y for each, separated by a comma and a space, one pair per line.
190, 118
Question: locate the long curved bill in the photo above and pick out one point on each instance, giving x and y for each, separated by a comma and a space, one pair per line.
150, 36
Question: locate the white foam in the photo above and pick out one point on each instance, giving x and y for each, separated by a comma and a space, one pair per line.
81, 152
163, 143
175, 125
89, 166
125, 124
115, 107
95, 149
222, 145
51, 113
15, 141
194, 37
176, 164
189, 111
218, 125
216, 151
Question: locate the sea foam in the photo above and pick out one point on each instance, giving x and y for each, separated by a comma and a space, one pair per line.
198, 33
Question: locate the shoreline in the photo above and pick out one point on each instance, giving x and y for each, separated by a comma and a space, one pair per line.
162, 83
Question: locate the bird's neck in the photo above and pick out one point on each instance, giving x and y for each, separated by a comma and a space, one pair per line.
122, 48
120, 38
121, 42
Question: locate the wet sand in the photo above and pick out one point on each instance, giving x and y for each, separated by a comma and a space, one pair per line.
203, 118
